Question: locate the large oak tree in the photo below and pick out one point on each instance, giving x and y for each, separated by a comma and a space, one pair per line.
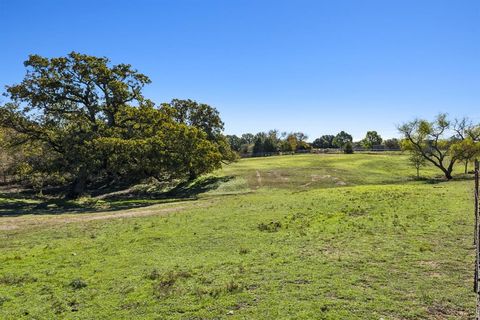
92, 120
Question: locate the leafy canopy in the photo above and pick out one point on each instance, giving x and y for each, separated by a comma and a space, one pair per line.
440, 142
92, 120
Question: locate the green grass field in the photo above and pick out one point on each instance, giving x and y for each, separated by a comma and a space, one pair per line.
289, 237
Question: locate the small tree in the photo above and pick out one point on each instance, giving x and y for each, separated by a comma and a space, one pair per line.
258, 144
247, 138
348, 148
372, 139
341, 139
234, 142
466, 150
325, 141
428, 140
271, 141
392, 144
292, 142
418, 161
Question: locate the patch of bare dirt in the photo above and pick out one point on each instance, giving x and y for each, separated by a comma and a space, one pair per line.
317, 177
34, 221
439, 312
278, 176
259, 179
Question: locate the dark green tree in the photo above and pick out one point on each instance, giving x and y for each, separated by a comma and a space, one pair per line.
341, 139
259, 143
324, 142
92, 121
392, 144
235, 142
291, 142
348, 147
196, 114
247, 138
205, 118
372, 138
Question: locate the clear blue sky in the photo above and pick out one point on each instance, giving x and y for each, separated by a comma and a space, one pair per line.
315, 66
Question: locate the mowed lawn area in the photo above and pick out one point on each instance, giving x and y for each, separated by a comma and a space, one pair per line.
286, 237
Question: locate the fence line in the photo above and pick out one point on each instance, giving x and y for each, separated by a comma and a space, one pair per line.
476, 241
314, 151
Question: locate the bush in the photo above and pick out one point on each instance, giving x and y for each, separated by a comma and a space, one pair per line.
348, 149
78, 284
273, 226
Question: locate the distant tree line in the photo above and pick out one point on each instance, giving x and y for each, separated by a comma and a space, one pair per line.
273, 142
81, 122
270, 142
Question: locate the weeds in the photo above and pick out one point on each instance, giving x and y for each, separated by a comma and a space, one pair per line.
16, 280
78, 284
166, 281
243, 251
3, 300
273, 226
232, 286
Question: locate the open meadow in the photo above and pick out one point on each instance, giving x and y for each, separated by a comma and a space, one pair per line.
285, 237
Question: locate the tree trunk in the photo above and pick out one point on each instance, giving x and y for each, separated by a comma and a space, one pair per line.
418, 172
448, 170
466, 167
448, 174
192, 175
78, 186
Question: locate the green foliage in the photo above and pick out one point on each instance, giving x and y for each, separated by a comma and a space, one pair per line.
392, 144
197, 115
418, 161
269, 143
235, 142
372, 139
86, 120
292, 142
348, 148
324, 142
428, 139
266, 143
206, 119
247, 138
466, 150
341, 139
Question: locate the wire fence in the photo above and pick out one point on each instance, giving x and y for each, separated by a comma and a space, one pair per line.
317, 151
476, 241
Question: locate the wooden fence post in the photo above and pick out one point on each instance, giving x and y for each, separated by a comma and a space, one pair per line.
476, 242
475, 236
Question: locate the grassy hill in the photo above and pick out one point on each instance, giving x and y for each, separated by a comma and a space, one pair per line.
326, 170
290, 237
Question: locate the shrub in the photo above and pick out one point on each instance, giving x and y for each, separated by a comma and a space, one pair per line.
77, 284
273, 226
348, 149
232, 286
243, 251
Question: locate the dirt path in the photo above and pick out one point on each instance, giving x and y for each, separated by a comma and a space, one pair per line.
42, 220
259, 179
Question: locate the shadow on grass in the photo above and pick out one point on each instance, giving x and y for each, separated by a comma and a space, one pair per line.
442, 179
199, 186
23, 202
